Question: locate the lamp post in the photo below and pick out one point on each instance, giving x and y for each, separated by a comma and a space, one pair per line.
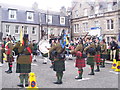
70, 25
48, 19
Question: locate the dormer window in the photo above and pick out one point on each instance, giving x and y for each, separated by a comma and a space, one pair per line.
30, 16
49, 19
85, 12
110, 7
12, 14
96, 9
76, 14
62, 20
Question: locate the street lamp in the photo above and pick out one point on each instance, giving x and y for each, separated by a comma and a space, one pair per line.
70, 25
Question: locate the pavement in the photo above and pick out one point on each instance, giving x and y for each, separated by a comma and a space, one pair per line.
45, 76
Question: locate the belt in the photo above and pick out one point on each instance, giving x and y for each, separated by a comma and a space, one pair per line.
24, 54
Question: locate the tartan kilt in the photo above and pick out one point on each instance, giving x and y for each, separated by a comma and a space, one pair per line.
23, 68
59, 65
97, 58
80, 62
104, 56
10, 58
90, 60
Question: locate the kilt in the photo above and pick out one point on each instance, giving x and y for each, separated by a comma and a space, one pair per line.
59, 65
97, 58
80, 62
104, 56
23, 68
10, 58
90, 60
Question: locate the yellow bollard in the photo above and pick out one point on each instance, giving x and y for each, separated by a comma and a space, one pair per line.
5, 57
32, 82
118, 67
114, 64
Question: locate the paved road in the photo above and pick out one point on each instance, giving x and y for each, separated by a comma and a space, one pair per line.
46, 76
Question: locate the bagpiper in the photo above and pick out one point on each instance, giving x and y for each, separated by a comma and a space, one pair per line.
35, 48
8, 52
24, 60
53, 43
104, 55
80, 61
59, 59
91, 55
97, 56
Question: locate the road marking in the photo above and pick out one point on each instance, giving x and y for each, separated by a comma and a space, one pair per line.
83, 79
114, 72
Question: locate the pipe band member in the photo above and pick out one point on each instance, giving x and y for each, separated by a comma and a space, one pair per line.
8, 51
80, 61
59, 60
90, 56
24, 60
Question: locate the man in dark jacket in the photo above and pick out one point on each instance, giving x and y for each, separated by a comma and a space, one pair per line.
113, 47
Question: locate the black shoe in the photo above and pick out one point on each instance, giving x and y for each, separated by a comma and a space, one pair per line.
97, 70
26, 85
70, 59
78, 78
57, 82
6, 71
91, 74
102, 66
9, 71
44, 63
35, 60
20, 85
60, 82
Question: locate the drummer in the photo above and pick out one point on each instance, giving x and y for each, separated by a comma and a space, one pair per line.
43, 46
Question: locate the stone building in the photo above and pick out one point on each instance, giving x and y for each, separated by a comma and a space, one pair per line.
97, 18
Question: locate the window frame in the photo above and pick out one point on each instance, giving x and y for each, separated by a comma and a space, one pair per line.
76, 28
25, 29
17, 29
85, 12
12, 13
7, 28
110, 24
34, 31
109, 7
30, 14
49, 17
85, 26
62, 23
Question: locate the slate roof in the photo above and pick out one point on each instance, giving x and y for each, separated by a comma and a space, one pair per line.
22, 16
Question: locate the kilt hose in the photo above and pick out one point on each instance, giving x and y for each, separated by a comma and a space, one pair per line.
97, 58
80, 62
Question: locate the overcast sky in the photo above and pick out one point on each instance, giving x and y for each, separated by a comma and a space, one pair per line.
43, 4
